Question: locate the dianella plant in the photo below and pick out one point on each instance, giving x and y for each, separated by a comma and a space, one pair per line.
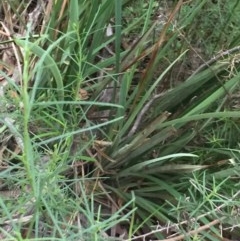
119, 120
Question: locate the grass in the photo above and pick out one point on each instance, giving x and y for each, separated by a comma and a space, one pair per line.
118, 122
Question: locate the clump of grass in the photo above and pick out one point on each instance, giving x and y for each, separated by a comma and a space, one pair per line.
111, 141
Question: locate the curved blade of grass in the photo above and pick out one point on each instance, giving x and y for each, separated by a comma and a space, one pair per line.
145, 164
175, 168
